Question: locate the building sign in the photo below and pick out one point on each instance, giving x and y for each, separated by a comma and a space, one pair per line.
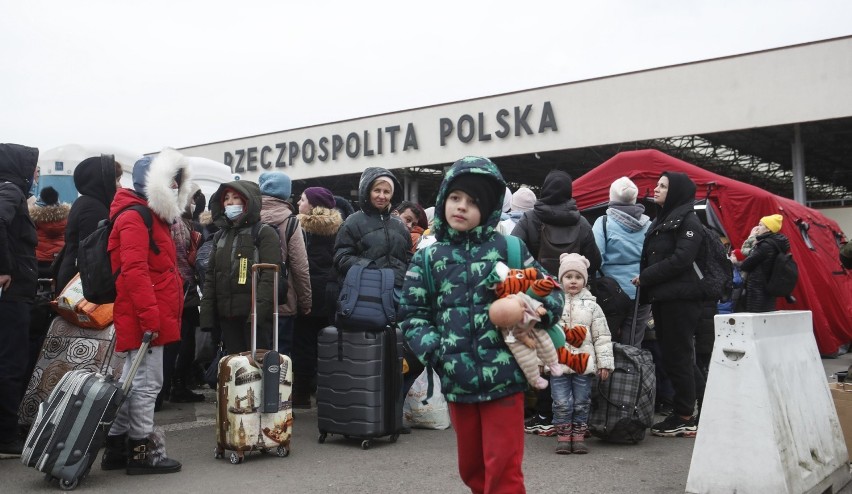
404, 139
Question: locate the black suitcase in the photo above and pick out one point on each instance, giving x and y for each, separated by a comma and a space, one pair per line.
70, 426
359, 384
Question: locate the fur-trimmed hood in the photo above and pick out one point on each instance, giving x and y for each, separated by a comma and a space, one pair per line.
205, 218
49, 214
322, 221
158, 179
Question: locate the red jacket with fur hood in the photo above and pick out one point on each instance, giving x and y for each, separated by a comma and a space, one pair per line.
149, 288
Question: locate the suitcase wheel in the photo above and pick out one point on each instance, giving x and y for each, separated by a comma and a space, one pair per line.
365, 444
394, 437
68, 485
283, 452
236, 459
321, 438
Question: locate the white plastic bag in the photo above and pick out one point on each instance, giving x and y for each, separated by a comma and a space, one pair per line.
435, 414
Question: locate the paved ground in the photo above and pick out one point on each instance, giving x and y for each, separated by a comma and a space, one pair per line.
424, 461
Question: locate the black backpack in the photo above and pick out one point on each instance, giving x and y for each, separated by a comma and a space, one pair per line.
93, 261
715, 271
785, 273
555, 240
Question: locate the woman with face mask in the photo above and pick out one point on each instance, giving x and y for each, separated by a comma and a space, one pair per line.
239, 243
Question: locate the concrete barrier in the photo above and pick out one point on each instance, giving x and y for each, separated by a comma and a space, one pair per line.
768, 422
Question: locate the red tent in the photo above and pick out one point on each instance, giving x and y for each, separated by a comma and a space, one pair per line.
824, 287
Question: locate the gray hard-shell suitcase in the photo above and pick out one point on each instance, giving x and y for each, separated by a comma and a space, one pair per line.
359, 384
70, 426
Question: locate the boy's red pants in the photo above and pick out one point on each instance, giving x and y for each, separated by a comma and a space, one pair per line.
490, 437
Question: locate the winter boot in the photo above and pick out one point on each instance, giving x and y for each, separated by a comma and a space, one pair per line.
115, 453
301, 392
182, 394
578, 445
563, 439
148, 455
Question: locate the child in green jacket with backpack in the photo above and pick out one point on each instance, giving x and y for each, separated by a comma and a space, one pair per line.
446, 325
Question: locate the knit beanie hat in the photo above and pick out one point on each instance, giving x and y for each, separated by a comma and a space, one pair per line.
623, 191
523, 199
773, 222
48, 197
275, 184
507, 201
140, 175
482, 191
320, 196
383, 178
574, 262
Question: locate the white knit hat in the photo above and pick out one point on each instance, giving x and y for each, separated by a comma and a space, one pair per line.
624, 191
523, 199
573, 262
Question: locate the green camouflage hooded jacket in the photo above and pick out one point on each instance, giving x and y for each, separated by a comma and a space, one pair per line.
449, 328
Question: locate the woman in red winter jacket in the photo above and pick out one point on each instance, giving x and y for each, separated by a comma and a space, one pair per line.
149, 297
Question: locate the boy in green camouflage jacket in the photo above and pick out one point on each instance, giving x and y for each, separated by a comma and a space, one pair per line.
446, 325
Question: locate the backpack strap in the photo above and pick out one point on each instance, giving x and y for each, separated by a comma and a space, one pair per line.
145, 213
513, 249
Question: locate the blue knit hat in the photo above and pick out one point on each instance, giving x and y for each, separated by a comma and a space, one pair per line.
140, 175
275, 184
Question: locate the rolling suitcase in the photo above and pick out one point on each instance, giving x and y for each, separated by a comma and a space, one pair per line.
253, 407
68, 347
359, 384
71, 424
623, 405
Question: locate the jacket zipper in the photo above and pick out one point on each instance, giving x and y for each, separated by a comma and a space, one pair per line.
472, 322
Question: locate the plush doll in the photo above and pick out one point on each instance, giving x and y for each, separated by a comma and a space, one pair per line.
516, 312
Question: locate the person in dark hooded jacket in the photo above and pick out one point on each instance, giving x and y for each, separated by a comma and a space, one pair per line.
668, 281
373, 237
18, 278
556, 209
96, 179
769, 243
226, 297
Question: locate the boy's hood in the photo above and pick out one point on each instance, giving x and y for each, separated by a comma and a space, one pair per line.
469, 165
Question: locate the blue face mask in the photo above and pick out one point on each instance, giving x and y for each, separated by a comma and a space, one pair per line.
233, 211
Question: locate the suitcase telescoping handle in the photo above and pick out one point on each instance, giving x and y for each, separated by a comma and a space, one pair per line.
143, 349
255, 272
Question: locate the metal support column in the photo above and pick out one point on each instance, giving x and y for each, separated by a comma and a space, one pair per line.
799, 191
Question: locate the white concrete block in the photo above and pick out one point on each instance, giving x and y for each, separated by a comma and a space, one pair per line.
768, 422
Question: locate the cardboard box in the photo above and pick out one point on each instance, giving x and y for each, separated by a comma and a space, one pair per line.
842, 395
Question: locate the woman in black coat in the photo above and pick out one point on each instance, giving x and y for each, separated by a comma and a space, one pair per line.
668, 281
373, 237
96, 179
768, 244
320, 221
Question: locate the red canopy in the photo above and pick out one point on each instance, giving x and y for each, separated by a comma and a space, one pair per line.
824, 287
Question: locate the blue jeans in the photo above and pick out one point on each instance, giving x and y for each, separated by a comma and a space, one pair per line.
572, 398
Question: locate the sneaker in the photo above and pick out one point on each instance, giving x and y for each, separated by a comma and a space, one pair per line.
540, 426
675, 426
12, 449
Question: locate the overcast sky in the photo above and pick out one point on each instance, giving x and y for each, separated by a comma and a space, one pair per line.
143, 75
